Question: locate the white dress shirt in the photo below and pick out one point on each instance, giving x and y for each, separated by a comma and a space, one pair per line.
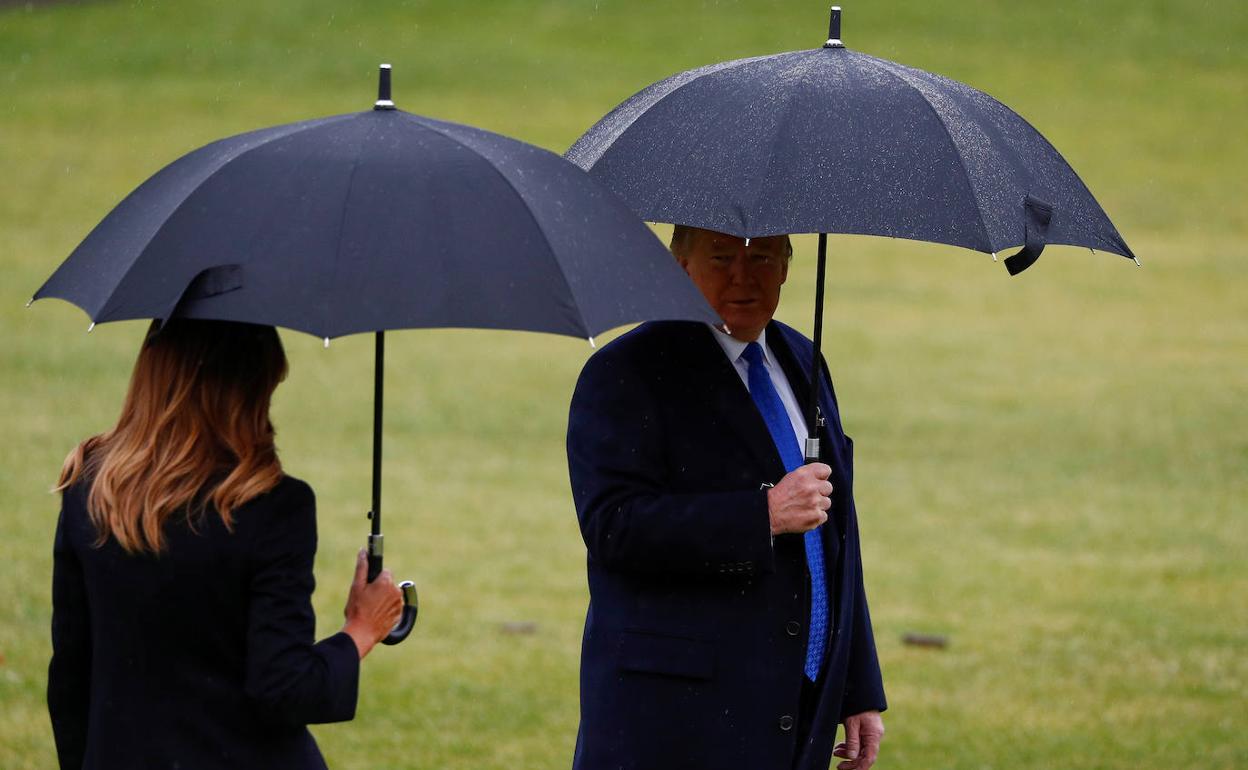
734, 348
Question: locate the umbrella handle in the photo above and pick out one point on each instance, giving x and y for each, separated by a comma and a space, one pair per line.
407, 621
411, 604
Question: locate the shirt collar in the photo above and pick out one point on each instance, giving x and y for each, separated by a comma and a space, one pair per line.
733, 347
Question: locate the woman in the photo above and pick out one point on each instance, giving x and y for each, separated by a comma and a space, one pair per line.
182, 624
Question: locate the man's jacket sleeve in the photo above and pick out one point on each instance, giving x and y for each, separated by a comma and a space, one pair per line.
621, 474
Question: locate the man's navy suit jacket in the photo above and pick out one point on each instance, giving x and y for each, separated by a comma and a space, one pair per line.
696, 635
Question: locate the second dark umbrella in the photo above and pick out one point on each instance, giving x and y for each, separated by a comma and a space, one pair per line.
834, 141
372, 221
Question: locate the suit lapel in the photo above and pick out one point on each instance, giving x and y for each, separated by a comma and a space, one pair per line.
796, 371
729, 399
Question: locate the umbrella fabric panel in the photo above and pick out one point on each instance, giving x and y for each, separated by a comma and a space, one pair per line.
779, 144
830, 140
588, 149
607, 281
97, 267
383, 220
275, 213
864, 172
1007, 159
430, 234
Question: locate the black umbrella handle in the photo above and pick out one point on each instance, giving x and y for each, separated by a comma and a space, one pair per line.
407, 621
411, 603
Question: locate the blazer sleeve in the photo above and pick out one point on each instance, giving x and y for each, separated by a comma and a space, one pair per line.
69, 673
864, 684
617, 462
291, 679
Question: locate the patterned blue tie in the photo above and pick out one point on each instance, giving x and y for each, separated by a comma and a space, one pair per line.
772, 409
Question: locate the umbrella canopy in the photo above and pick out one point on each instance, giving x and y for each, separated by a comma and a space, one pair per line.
376, 220
834, 141
372, 221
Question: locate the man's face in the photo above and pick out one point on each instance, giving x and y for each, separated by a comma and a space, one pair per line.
741, 282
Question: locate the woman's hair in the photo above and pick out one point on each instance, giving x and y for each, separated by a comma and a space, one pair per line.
194, 429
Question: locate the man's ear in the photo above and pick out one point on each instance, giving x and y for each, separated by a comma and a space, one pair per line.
684, 264
784, 271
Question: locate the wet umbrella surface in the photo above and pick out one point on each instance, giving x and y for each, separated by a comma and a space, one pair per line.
834, 141
372, 221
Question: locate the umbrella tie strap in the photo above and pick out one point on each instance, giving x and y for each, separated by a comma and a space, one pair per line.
1037, 215
211, 282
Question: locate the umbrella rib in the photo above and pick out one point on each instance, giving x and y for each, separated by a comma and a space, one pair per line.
957, 153
342, 221
574, 154
576, 306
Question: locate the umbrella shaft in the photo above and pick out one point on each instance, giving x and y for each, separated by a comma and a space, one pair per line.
378, 389
812, 400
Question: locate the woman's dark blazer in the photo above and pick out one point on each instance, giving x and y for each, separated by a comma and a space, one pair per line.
201, 657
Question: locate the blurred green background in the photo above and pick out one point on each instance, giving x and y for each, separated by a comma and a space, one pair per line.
1052, 470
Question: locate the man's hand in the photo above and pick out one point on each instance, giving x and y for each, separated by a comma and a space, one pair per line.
862, 741
800, 501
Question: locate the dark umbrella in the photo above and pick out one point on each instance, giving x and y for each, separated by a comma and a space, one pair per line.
372, 221
830, 140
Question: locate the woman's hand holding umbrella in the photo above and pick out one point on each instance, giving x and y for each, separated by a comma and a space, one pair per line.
372, 608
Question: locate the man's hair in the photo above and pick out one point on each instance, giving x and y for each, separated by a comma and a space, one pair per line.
683, 235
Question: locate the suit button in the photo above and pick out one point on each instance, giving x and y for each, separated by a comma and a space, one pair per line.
793, 628
786, 723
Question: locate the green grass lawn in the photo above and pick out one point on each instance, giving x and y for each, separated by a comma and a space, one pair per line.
1052, 470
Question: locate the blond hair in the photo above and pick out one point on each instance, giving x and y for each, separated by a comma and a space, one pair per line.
194, 429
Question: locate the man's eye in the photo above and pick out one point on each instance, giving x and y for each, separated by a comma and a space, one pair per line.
721, 258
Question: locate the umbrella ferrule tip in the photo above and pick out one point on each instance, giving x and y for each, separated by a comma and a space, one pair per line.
834, 29
30, 302
383, 89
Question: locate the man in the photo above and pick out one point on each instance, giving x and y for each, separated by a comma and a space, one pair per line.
707, 644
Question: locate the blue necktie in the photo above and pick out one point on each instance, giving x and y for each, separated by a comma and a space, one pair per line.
772, 409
